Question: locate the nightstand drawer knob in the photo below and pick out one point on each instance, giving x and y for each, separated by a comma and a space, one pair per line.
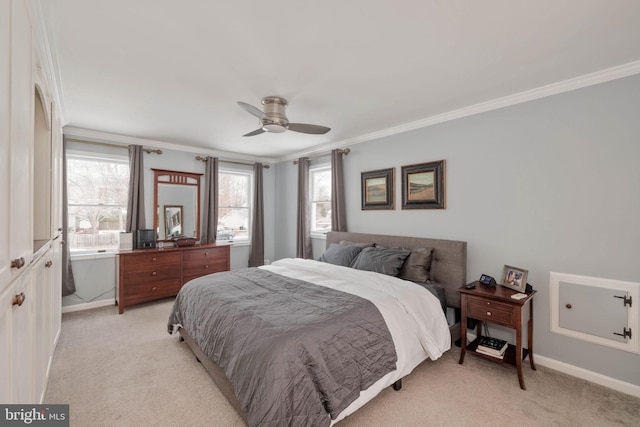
154, 259
154, 288
488, 313
154, 273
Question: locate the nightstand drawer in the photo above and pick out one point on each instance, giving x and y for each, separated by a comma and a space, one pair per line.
481, 309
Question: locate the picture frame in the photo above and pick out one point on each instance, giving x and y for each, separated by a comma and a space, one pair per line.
423, 186
514, 278
378, 189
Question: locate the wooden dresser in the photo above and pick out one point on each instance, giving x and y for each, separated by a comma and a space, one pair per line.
150, 274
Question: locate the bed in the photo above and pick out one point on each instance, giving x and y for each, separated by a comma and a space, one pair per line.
354, 330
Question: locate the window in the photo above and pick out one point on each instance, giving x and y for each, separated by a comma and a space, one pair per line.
320, 199
97, 189
234, 205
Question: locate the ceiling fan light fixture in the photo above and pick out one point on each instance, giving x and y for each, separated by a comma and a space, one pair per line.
274, 120
273, 128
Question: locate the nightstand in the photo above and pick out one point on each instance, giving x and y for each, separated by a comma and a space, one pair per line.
493, 304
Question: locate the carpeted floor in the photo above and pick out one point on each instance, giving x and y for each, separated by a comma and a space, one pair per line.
126, 370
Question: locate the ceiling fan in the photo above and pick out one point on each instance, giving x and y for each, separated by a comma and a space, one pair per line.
274, 119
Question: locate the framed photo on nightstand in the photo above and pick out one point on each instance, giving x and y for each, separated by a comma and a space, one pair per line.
514, 278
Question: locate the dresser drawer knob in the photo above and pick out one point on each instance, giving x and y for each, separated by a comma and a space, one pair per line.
488, 313
154, 273
206, 253
154, 259
206, 266
154, 288
18, 299
17, 263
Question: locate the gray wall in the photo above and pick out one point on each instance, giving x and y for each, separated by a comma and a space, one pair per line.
547, 185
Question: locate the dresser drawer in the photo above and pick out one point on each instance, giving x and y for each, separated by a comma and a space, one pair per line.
495, 312
203, 256
148, 291
151, 274
191, 271
150, 260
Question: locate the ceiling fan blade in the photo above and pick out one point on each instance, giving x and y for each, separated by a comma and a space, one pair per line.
305, 128
252, 110
255, 132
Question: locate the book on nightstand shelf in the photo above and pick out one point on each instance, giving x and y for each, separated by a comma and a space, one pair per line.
492, 346
497, 356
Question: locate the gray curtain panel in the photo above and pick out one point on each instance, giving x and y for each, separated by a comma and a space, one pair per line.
210, 211
303, 243
256, 250
338, 207
68, 283
135, 202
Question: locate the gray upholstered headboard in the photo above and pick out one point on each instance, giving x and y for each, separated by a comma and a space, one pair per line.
449, 260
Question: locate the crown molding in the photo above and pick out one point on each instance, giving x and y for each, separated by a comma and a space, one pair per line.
99, 136
591, 79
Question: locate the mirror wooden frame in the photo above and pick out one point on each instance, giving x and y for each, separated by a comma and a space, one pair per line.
164, 176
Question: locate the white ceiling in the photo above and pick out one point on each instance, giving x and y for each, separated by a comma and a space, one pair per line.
172, 71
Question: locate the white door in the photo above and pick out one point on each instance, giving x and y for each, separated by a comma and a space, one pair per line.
22, 342
21, 135
5, 147
6, 346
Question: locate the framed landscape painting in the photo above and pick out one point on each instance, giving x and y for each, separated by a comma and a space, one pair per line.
377, 189
423, 186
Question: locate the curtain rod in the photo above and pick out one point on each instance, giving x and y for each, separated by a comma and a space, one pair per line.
204, 159
106, 144
345, 152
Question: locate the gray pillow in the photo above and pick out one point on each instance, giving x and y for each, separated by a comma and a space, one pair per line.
340, 254
416, 267
385, 261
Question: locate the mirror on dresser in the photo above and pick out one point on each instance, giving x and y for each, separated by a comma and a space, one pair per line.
177, 204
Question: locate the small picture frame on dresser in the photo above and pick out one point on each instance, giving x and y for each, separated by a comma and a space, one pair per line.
514, 278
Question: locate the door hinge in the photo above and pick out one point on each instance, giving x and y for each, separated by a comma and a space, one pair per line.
625, 333
625, 299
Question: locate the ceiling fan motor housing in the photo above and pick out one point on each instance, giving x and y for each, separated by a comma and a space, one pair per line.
276, 120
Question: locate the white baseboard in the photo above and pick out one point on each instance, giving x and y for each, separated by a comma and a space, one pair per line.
581, 373
89, 305
591, 376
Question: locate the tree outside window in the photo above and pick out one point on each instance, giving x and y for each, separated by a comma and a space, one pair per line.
234, 205
320, 199
97, 190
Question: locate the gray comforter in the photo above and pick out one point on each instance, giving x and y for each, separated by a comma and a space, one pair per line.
296, 353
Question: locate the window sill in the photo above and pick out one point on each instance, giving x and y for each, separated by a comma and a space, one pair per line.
235, 242
85, 255
322, 236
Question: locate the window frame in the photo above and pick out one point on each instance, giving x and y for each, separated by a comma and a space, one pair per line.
312, 202
77, 153
251, 177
